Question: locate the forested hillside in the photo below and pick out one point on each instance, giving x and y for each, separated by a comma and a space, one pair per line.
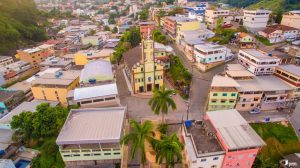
18, 25
274, 5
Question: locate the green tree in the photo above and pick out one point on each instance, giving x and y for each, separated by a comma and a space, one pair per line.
139, 134
161, 101
111, 18
114, 30
168, 150
106, 28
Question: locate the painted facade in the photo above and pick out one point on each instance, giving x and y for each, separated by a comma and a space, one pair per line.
292, 19
257, 61
255, 20
223, 93
149, 73
54, 91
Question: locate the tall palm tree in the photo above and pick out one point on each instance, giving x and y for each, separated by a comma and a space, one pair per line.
168, 150
161, 101
137, 136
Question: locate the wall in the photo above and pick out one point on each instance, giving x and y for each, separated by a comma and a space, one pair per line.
249, 103
218, 96
50, 94
292, 20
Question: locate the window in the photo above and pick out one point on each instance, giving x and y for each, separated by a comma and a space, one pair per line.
233, 94
220, 57
98, 100
216, 58
142, 69
215, 158
86, 102
203, 160
97, 154
224, 94
106, 153
86, 154
215, 94
243, 105
256, 99
214, 101
76, 155
252, 105
223, 101
109, 98
117, 153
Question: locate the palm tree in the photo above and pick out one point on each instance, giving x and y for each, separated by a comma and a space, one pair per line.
161, 101
168, 150
138, 135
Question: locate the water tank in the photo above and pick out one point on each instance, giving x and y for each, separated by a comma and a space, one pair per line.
92, 81
188, 123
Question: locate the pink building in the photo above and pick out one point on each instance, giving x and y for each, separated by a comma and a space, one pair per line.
240, 142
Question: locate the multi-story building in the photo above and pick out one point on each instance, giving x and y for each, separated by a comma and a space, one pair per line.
202, 148
14, 69
9, 99
82, 57
174, 24
255, 20
201, 34
35, 55
144, 71
244, 40
223, 93
264, 93
25, 87
54, 86
56, 62
213, 15
105, 95
5, 60
291, 75
92, 40
240, 142
100, 145
292, 19
257, 61
209, 53
188, 46
279, 33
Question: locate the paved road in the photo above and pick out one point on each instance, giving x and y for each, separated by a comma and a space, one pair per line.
138, 107
200, 85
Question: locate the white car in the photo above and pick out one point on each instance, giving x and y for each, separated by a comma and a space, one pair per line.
255, 111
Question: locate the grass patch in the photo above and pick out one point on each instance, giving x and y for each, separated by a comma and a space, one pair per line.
281, 140
263, 40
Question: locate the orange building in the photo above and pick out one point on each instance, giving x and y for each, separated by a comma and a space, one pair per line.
35, 55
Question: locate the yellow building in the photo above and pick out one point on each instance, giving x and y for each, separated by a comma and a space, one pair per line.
143, 70
84, 56
54, 86
35, 55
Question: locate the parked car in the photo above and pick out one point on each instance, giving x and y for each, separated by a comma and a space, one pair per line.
255, 111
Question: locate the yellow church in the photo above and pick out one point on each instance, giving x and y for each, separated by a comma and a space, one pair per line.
143, 70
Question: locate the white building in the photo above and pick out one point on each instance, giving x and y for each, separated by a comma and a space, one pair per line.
212, 16
105, 95
201, 34
255, 20
258, 62
5, 60
202, 149
279, 33
210, 53
292, 19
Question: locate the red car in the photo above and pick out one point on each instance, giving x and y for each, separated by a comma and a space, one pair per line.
227, 25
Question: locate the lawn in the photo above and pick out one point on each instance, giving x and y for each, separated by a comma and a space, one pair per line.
281, 140
263, 40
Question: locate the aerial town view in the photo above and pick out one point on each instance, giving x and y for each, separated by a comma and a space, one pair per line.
149, 84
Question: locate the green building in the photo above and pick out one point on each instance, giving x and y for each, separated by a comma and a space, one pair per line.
223, 93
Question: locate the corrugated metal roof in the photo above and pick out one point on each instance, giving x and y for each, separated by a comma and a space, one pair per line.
97, 125
234, 129
95, 91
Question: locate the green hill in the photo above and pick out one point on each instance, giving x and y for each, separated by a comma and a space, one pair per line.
18, 25
277, 5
